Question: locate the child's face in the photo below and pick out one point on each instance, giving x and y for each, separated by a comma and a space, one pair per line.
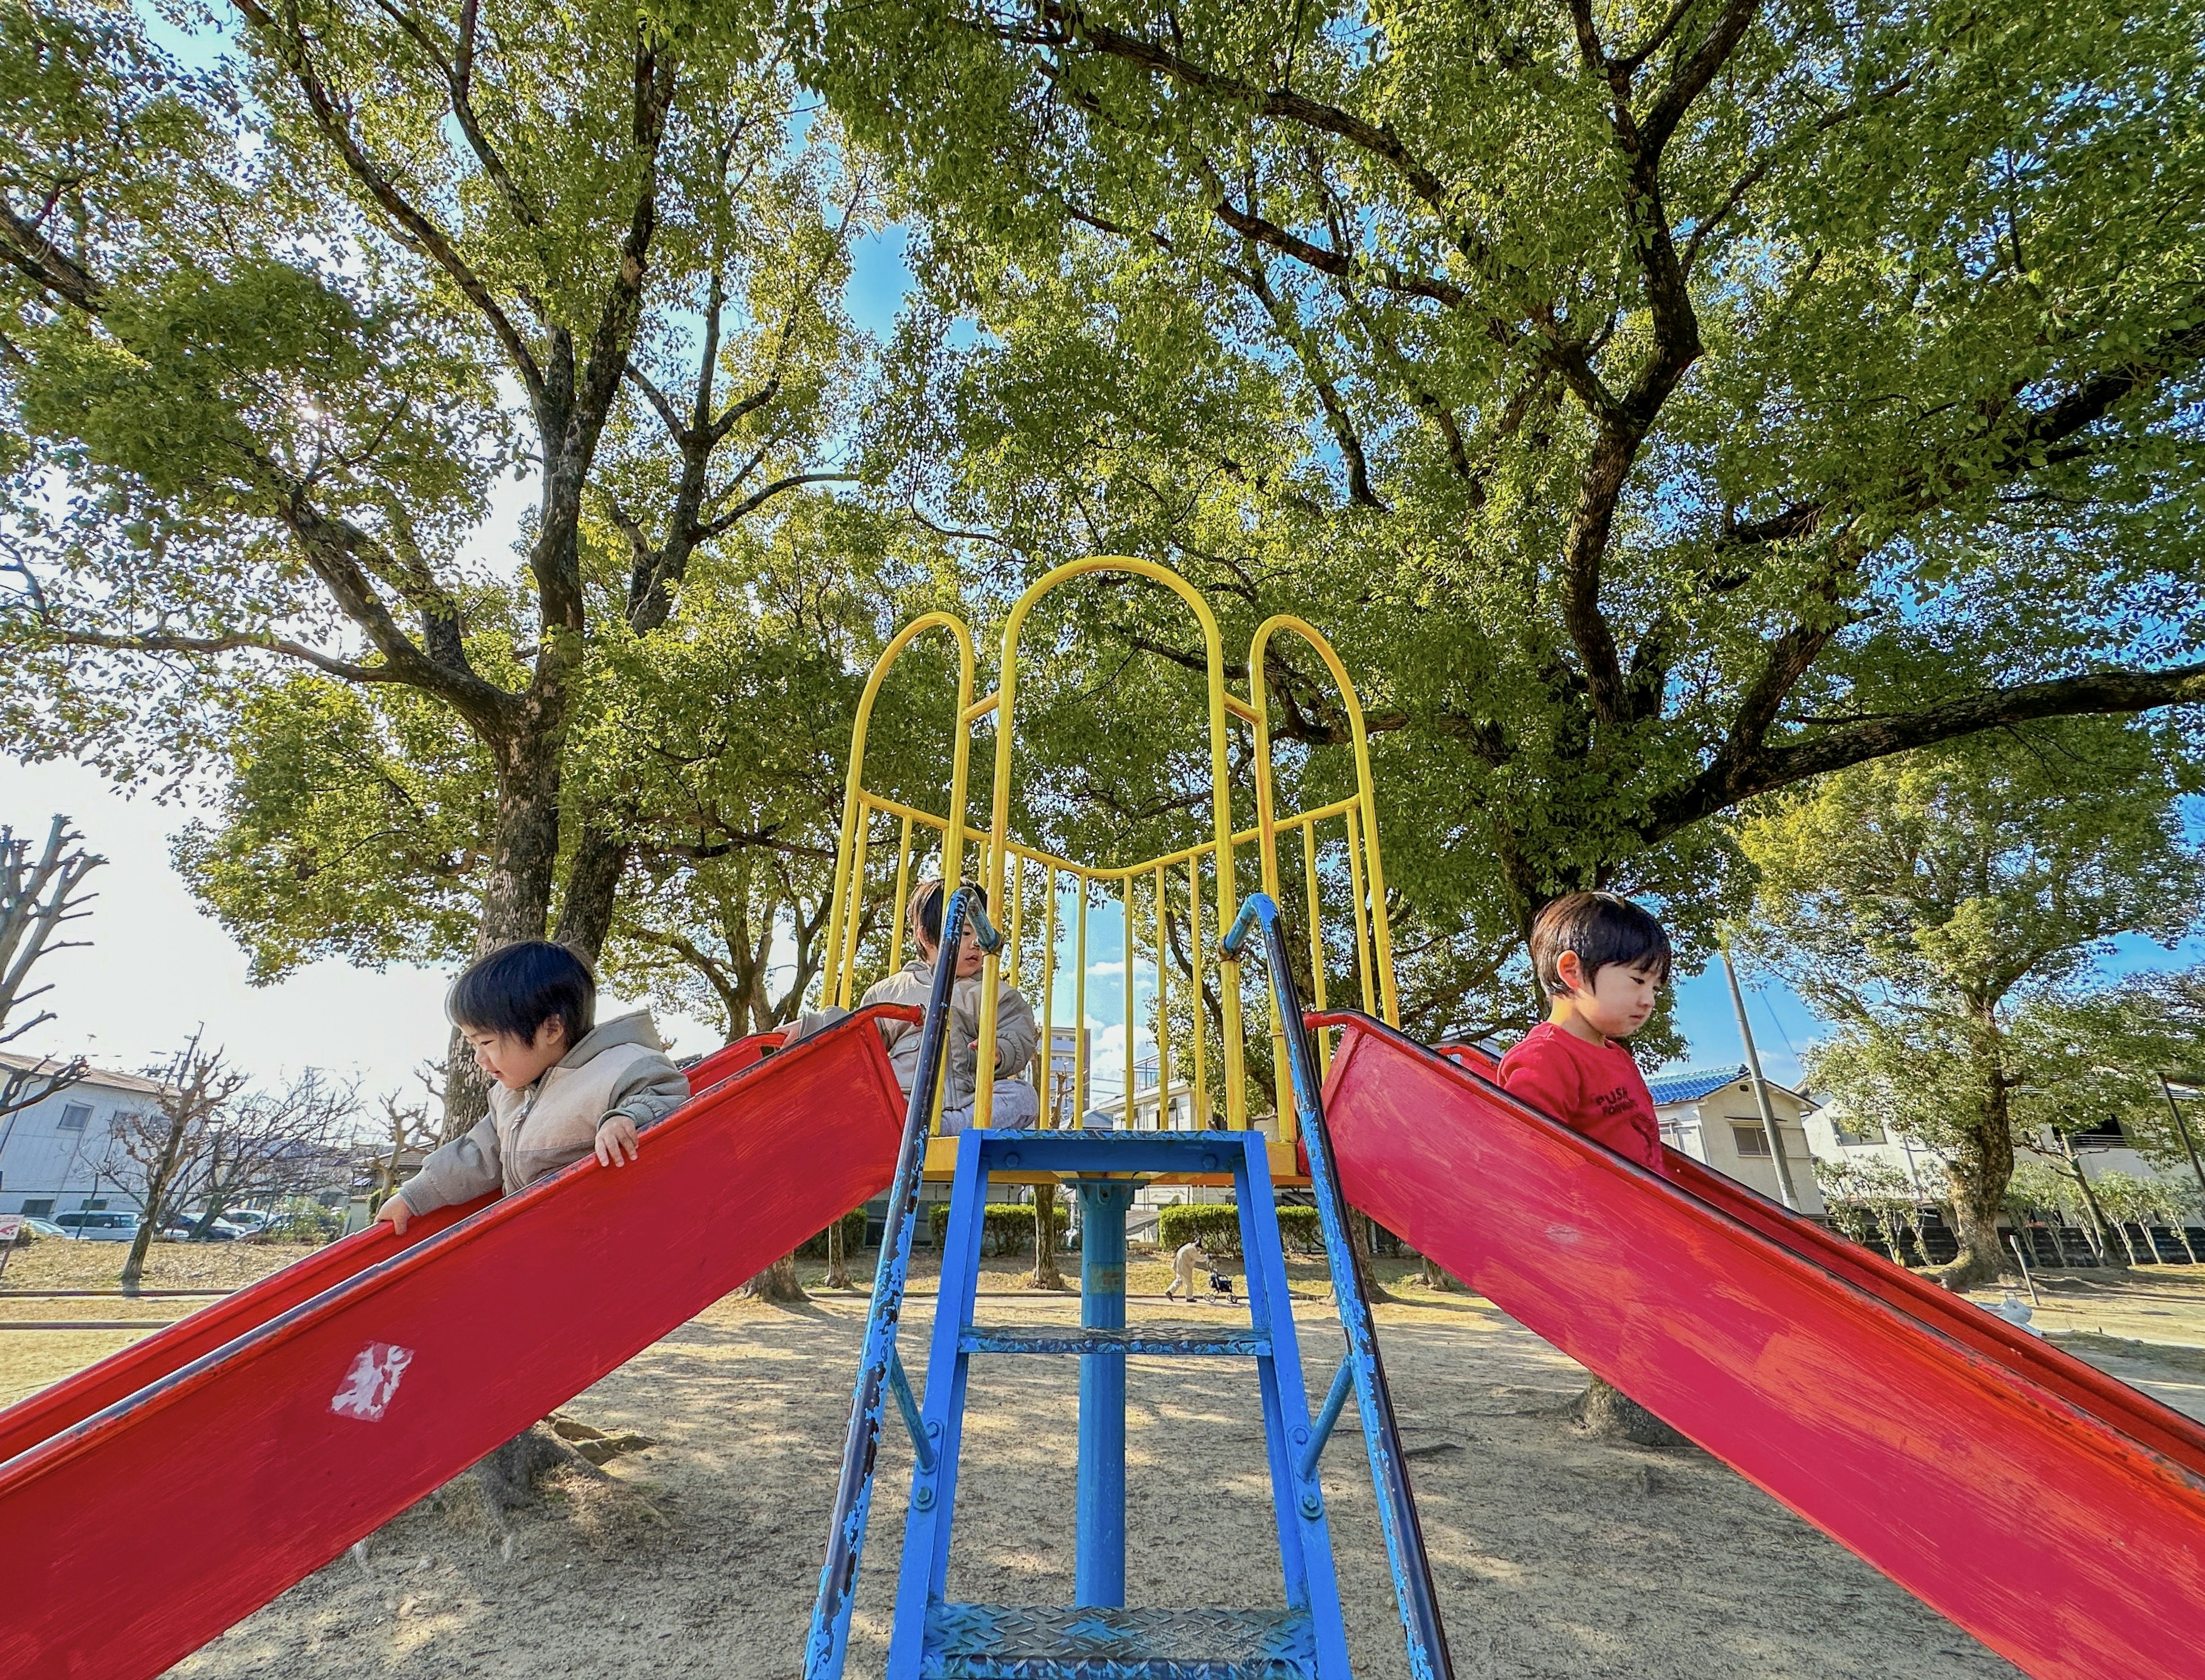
516, 1062
970, 958
1617, 1001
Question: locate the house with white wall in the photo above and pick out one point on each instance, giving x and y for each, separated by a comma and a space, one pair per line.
1711, 1114
51, 1153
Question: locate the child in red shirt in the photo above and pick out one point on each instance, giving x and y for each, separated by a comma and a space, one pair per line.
1602, 961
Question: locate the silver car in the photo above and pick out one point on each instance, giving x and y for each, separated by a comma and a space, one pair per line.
98, 1225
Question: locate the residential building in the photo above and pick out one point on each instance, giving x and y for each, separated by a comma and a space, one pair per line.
52, 1152
1711, 1114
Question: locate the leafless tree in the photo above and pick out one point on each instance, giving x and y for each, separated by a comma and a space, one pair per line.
409, 1126
147, 1154
269, 1143
40, 894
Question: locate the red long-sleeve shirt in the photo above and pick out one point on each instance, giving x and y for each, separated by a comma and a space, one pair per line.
1595, 1088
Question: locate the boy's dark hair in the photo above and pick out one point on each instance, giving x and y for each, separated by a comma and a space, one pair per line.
1601, 928
927, 904
518, 987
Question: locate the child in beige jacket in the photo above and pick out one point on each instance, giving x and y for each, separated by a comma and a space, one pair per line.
1014, 1103
563, 1087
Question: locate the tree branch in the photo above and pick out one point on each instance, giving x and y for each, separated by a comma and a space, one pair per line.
292, 51
2096, 692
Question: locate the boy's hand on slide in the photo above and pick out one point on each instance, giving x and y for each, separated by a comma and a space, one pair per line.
395, 1210
616, 1144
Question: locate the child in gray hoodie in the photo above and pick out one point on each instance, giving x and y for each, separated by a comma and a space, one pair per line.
564, 1087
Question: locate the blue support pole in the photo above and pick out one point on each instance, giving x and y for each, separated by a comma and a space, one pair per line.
1429, 1658
828, 1644
1099, 1565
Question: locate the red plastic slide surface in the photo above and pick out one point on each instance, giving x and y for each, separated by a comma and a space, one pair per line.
155, 1498
2057, 1515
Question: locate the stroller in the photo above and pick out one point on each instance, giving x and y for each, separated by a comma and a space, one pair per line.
1221, 1283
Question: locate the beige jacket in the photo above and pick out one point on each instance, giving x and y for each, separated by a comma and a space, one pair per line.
1016, 1035
620, 1067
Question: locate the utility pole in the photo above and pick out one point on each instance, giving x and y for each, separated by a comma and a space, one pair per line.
2182, 1131
1759, 1087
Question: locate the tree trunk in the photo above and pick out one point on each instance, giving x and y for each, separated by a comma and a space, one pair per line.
1359, 1239
159, 1176
517, 893
1045, 1272
2092, 1209
593, 878
838, 1264
1435, 1275
1981, 1171
133, 1264
1606, 1413
778, 1284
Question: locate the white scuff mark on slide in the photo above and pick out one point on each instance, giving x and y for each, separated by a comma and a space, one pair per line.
370, 1382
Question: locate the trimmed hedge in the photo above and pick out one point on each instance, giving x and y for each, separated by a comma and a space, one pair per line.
853, 1238
1216, 1226
1006, 1228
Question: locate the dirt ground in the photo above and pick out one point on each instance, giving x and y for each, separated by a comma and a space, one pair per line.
699, 1554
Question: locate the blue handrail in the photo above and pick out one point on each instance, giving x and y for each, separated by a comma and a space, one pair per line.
1429, 1658
829, 1641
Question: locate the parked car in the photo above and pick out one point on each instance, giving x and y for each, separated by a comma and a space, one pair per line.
187, 1230
98, 1225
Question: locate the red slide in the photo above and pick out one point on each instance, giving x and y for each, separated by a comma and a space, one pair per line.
2056, 1514
154, 1499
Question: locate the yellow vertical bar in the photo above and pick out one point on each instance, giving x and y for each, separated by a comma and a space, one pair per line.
903, 897
1126, 945
1079, 1009
1018, 882
1198, 1099
1355, 884
1163, 1004
1048, 1002
1316, 938
857, 915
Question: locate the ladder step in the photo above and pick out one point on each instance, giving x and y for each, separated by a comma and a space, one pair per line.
1247, 1343
997, 1642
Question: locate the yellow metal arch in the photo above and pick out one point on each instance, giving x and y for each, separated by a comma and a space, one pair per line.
1007, 863
1004, 701
859, 806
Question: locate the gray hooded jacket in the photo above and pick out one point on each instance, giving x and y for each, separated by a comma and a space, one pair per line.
620, 1067
1016, 1035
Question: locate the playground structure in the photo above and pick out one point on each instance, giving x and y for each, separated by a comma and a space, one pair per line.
156, 1498
1181, 878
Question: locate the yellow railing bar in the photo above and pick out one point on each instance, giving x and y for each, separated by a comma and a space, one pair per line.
857, 901
1049, 1007
1127, 946
1080, 1008
1221, 796
1240, 709
1163, 1004
1355, 885
1316, 938
978, 710
1198, 1101
902, 898
909, 813
847, 890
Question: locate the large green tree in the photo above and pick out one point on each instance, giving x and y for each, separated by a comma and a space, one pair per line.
1939, 909
270, 331
1661, 406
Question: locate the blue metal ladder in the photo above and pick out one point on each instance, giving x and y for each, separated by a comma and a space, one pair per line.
1099, 1638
